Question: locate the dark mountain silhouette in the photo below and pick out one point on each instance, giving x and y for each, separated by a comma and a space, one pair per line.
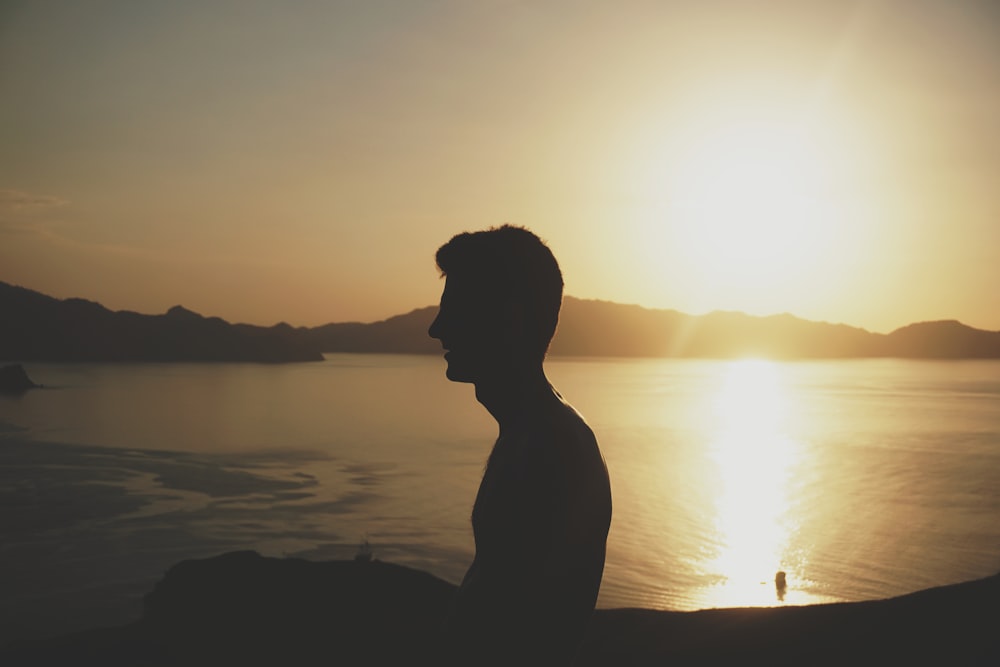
402, 334
244, 609
607, 329
40, 328
947, 339
601, 328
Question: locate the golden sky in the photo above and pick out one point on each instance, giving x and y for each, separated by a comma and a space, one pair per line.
301, 161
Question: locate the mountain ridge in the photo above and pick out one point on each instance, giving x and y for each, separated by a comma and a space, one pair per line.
38, 327
587, 328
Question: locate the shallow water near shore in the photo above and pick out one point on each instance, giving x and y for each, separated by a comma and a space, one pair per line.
858, 479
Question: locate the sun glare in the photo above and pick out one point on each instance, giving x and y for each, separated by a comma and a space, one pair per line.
755, 200
752, 198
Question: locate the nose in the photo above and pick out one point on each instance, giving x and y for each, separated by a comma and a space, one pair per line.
434, 331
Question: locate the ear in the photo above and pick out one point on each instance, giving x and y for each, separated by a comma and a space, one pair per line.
515, 322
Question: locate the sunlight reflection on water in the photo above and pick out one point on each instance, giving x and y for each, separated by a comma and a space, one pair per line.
753, 457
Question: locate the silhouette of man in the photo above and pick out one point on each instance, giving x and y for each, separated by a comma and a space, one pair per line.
541, 516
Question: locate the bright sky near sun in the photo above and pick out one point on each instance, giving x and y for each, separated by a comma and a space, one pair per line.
301, 161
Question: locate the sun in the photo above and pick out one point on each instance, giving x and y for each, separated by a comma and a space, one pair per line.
751, 197
753, 200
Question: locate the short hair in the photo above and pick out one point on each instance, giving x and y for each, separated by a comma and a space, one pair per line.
510, 263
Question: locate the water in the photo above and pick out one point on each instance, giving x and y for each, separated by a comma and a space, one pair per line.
859, 479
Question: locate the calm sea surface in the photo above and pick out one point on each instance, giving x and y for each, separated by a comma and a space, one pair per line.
858, 479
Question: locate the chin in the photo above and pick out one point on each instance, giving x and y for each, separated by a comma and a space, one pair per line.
457, 371
457, 375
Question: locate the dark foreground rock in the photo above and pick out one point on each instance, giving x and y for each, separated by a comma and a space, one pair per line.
243, 609
14, 380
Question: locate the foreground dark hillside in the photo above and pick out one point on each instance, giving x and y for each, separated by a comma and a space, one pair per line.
40, 328
242, 609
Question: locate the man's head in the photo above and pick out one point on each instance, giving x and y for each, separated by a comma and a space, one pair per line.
501, 301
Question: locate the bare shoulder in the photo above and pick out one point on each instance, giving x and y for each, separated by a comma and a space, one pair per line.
573, 446
584, 502
569, 431
555, 452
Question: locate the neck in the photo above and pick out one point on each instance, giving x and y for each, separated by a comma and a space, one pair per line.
514, 396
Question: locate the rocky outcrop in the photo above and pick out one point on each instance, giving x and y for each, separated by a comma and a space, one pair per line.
246, 609
14, 380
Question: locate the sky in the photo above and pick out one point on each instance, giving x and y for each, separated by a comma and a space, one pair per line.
301, 161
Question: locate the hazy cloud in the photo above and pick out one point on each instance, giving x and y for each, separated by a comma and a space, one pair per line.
18, 199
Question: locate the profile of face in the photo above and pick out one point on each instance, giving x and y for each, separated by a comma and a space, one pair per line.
476, 333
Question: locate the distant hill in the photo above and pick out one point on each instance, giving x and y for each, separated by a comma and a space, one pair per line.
611, 329
39, 328
35, 327
402, 334
590, 328
946, 339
